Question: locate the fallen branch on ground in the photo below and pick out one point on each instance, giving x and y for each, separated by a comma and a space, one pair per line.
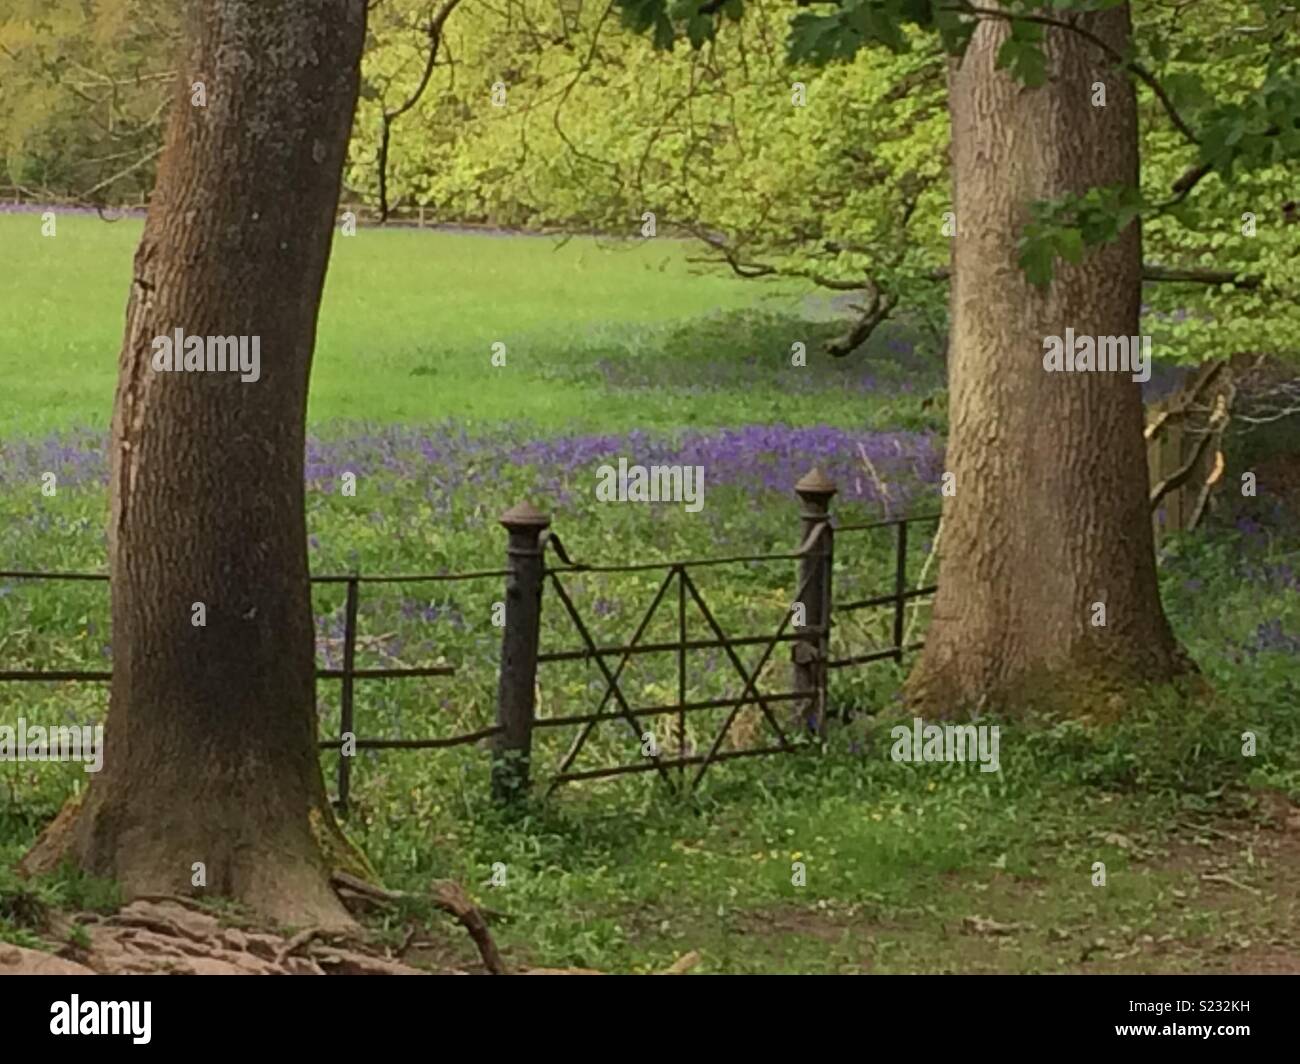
449, 897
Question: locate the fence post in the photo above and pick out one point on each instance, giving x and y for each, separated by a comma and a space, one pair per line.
346, 695
900, 590
516, 690
811, 652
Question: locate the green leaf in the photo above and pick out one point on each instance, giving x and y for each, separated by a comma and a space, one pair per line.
819, 39
879, 25
640, 15
664, 34
1036, 258
1187, 91
1024, 60
954, 31
699, 29
1069, 245
919, 12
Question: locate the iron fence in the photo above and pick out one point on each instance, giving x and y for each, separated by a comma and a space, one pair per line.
530, 543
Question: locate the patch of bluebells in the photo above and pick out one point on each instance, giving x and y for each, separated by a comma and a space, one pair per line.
758, 458
76, 457
418, 609
1271, 637
1274, 575
444, 459
63, 208
1251, 529
1280, 575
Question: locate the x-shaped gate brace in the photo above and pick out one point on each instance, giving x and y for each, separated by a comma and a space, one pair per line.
749, 693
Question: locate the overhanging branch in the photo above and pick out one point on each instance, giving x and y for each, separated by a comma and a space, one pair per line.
387, 118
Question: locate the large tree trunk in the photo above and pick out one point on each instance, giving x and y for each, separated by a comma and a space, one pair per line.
1049, 514
211, 732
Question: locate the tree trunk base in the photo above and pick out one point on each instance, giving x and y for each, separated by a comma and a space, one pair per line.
283, 880
958, 685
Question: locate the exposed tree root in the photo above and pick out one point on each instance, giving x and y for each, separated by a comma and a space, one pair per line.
450, 898
173, 936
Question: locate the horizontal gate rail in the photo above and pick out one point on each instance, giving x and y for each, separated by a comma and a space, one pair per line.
347, 674
892, 522
23, 676
689, 644
660, 711
414, 744
885, 600
681, 762
875, 655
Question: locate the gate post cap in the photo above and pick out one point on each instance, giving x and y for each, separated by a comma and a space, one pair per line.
524, 515
815, 483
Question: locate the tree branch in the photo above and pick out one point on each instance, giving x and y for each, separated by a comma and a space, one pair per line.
387, 118
861, 330
1131, 65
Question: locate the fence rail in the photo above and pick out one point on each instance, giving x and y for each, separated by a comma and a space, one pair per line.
529, 544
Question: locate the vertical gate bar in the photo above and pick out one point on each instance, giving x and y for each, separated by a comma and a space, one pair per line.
900, 589
828, 598
517, 681
346, 715
681, 669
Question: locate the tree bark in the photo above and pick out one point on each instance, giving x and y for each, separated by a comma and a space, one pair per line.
1050, 514
210, 751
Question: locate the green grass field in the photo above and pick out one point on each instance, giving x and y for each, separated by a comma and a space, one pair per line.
626, 351
407, 327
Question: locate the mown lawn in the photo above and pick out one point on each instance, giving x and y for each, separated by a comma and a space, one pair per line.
623, 352
408, 324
